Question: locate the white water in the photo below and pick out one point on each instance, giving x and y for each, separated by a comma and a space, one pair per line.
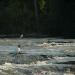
31, 63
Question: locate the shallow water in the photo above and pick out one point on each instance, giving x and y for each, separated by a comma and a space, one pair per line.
43, 56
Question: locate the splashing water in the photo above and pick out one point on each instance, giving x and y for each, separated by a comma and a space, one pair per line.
37, 57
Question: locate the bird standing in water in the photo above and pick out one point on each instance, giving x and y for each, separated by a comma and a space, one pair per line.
19, 48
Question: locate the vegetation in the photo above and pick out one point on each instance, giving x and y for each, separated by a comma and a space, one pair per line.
31, 16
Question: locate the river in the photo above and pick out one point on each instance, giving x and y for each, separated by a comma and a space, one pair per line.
38, 56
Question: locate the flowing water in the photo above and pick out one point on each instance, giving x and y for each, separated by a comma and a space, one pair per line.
42, 56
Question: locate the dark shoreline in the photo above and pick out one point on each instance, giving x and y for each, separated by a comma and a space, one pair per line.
36, 36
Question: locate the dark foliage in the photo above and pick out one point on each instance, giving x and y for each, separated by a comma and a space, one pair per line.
41, 17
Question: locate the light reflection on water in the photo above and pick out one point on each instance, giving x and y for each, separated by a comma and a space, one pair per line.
36, 60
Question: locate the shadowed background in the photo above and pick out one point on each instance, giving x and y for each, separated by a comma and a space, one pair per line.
37, 17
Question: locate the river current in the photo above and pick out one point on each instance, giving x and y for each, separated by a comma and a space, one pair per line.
38, 56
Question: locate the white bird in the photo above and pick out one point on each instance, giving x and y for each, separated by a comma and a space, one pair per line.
21, 36
19, 49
